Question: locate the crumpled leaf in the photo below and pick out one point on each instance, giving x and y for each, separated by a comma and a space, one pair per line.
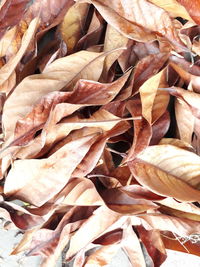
129, 18
190, 98
121, 202
11, 12
54, 78
33, 186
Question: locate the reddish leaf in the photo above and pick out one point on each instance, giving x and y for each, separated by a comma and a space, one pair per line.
11, 13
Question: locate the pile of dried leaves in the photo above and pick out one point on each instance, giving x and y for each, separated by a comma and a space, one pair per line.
100, 128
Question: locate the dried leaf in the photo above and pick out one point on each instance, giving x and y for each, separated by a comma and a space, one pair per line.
38, 172
99, 222
185, 121
102, 256
151, 99
54, 78
154, 245
157, 170
173, 7
192, 8
182, 227
11, 12
73, 24
129, 18
7, 70
117, 200
132, 247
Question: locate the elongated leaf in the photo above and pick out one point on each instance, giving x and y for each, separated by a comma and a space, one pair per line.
72, 26
8, 68
176, 142
142, 129
192, 99
185, 121
132, 247
154, 245
148, 67
100, 221
160, 169
172, 243
151, 99
22, 218
123, 203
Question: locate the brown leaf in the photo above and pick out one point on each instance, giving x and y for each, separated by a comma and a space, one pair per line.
7, 70
185, 121
190, 74
129, 18
151, 99
53, 132
109, 238
157, 169
117, 200
57, 169
142, 129
21, 217
192, 8
139, 192
11, 12
176, 142
173, 7
147, 67
72, 25
192, 99
131, 245
154, 245
102, 256
182, 227
173, 243
113, 39
180, 214
160, 128
97, 224
54, 78
50, 12
50, 243
79, 192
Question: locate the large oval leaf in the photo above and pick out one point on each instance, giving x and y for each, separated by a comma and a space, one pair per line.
169, 171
